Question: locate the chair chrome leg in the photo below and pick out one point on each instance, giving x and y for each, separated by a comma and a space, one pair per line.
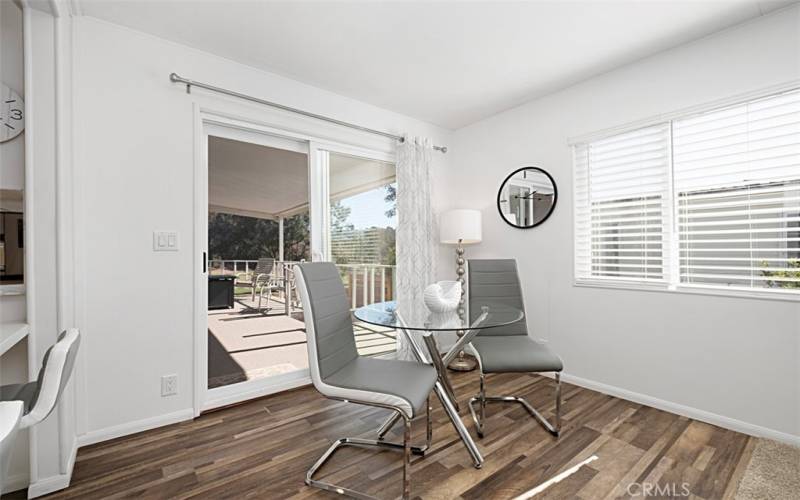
405, 447
479, 425
482, 399
387, 426
429, 425
558, 402
391, 421
407, 458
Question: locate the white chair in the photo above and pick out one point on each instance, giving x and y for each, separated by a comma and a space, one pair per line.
10, 415
40, 397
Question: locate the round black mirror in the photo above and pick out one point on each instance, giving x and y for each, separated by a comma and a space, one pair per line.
527, 197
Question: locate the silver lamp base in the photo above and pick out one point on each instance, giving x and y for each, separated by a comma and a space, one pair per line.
463, 363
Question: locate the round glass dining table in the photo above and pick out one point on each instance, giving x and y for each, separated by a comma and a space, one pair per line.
413, 316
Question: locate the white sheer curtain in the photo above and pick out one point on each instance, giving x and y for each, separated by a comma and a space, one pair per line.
416, 232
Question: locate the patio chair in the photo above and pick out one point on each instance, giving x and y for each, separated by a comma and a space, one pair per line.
258, 279
294, 297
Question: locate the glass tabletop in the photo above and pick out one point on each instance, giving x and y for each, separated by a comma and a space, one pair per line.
416, 316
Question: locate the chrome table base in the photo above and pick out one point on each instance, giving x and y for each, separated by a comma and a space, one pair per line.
443, 388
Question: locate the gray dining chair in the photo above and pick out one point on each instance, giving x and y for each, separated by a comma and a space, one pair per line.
508, 348
339, 373
40, 397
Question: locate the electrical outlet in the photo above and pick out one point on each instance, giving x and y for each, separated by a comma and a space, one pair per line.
169, 385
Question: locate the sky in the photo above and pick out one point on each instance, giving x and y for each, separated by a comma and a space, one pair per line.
368, 209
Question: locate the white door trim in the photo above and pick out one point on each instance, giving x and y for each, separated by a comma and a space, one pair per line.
319, 185
200, 323
282, 136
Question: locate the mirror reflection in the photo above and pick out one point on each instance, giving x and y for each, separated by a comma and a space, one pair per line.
527, 197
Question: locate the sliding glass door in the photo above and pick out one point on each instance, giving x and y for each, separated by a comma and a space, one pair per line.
264, 203
355, 229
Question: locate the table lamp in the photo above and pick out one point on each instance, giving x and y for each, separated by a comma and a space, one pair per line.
461, 227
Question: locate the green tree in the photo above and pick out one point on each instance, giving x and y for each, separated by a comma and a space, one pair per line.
235, 237
391, 197
297, 237
388, 248
342, 234
793, 271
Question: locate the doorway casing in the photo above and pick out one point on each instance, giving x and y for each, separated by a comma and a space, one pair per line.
307, 136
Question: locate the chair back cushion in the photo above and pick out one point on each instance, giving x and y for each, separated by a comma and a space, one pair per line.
329, 327
495, 282
56, 370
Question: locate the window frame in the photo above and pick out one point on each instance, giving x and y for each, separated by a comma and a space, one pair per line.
671, 283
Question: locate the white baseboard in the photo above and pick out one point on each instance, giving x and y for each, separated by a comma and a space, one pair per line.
231, 395
54, 483
686, 411
134, 427
15, 483
146, 424
48, 485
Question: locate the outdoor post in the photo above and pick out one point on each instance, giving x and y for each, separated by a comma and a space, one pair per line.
280, 239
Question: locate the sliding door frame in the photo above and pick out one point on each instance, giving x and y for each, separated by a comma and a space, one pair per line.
319, 185
319, 141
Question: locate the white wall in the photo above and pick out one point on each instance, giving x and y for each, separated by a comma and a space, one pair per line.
733, 357
134, 174
49, 289
14, 363
12, 153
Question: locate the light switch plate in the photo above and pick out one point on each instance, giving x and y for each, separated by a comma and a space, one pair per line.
165, 241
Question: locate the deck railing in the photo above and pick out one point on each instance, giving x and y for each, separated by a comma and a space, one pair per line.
364, 283
237, 266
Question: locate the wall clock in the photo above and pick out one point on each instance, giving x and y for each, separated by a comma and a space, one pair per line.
12, 114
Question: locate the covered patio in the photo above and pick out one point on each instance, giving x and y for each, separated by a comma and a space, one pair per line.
245, 343
246, 180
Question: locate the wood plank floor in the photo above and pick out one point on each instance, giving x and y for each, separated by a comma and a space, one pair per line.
263, 448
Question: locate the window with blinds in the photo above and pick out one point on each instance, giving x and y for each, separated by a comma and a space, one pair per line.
622, 203
709, 200
737, 188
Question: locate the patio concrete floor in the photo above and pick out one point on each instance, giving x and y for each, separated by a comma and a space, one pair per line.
246, 344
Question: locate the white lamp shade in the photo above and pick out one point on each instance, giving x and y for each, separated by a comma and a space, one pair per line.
460, 224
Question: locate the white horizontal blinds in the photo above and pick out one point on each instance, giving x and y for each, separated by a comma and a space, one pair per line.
737, 188
582, 214
622, 206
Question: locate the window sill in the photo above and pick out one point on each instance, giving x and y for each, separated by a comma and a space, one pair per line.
693, 290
